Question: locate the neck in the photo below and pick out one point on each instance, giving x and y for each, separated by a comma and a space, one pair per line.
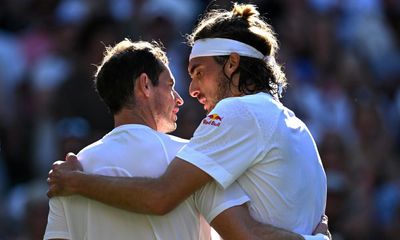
133, 116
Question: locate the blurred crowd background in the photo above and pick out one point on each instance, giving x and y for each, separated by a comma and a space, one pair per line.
342, 60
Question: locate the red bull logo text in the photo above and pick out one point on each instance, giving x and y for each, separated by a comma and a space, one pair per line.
213, 120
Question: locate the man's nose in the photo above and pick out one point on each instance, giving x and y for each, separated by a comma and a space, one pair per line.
179, 99
193, 90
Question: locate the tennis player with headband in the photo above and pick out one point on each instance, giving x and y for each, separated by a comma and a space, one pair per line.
248, 136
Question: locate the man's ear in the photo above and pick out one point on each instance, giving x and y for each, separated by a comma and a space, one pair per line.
144, 85
232, 65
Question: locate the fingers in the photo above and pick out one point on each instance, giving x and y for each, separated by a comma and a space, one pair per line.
57, 164
55, 186
70, 164
51, 176
324, 219
70, 157
48, 193
322, 226
52, 192
54, 173
74, 163
53, 181
52, 186
59, 173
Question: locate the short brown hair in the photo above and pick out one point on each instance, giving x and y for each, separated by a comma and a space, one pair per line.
121, 65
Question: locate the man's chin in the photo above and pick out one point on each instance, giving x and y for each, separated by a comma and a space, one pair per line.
170, 129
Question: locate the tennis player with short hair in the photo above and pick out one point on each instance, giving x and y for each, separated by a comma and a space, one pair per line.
248, 137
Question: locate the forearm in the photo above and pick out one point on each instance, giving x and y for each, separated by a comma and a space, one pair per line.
237, 223
141, 195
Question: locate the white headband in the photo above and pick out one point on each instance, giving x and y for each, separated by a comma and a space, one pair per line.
222, 47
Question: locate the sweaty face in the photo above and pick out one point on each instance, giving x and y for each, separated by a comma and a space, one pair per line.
208, 85
166, 102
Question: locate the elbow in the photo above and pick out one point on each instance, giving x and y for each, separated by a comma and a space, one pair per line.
161, 204
161, 209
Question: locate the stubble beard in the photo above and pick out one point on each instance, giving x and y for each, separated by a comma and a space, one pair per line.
165, 122
223, 90
167, 125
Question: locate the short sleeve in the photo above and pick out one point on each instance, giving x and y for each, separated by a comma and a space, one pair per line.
211, 200
226, 143
56, 222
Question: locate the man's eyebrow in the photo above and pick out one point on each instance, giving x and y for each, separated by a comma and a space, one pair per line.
192, 68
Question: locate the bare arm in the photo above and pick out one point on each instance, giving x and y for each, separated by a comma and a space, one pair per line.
141, 195
156, 196
236, 223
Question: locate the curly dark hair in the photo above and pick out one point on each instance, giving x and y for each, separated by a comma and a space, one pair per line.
245, 24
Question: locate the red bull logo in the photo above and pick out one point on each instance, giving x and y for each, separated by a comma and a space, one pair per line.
213, 120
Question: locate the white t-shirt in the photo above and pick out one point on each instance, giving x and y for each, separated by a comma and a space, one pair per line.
260, 143
136, 150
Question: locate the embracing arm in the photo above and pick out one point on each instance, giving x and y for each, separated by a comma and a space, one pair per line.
141, 195
236, 223
158, 196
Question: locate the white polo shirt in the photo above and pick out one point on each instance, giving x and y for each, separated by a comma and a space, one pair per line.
136, 150
260, 143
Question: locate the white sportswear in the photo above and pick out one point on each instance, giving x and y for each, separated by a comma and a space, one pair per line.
262, 145
136, 150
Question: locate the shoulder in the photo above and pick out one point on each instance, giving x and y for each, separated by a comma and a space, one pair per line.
154, 137
256, 111
229, 104
233, 109
170, 143
229, 115
91, 150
